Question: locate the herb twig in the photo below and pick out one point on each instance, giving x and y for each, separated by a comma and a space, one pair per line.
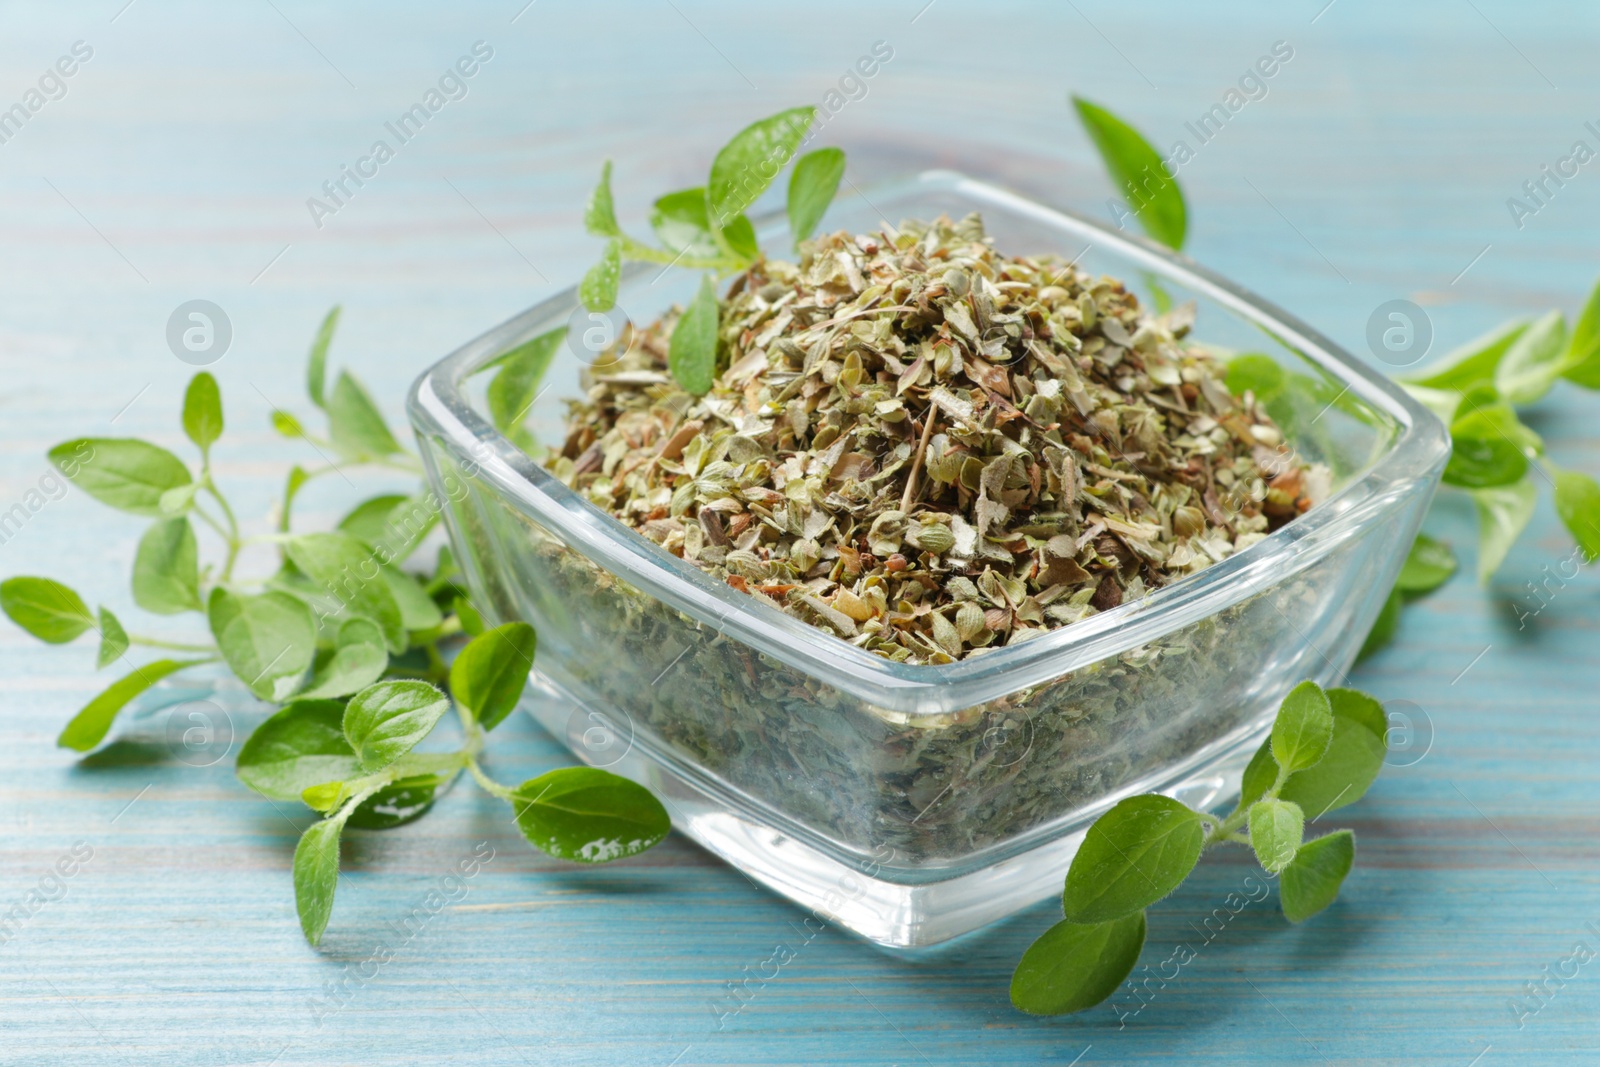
1325, 750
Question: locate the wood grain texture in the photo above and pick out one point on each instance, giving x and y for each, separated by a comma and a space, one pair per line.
177, 167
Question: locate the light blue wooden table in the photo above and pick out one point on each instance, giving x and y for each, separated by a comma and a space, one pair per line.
177, 166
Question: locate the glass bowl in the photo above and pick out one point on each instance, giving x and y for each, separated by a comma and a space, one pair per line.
912, 804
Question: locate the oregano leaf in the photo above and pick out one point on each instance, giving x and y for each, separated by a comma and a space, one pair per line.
598, 290
1074, 966
1132, 856
1303, 728
588, 815
90, 726
692, 349
385, 721
1312, 879
1138, 173
124, 472
490, 673
202, 411
166, 568
1276, 829
600, 215
113, 639
45, 608
316, 876
317, 359
749, 163
812, 187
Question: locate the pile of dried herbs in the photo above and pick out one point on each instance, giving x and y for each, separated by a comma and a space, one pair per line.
932, 449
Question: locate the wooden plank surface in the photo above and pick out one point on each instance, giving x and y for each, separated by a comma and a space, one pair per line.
177, 166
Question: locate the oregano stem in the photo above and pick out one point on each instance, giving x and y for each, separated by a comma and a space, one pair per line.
489, 784
176, 646
632, 249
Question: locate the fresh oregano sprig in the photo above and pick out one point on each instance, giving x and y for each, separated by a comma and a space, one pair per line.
352, 644
706, 228
1475, 390
355, 763
1325, 750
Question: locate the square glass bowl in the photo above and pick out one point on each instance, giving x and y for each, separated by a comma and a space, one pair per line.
912, 804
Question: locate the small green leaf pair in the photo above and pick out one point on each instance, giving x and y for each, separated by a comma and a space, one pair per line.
706, 228
1325, 750
356, 764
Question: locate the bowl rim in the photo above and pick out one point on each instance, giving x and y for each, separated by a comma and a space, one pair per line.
906, 693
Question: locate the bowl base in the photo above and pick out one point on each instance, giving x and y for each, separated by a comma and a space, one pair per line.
857, 896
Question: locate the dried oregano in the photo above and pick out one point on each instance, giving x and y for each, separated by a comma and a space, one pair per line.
931, 449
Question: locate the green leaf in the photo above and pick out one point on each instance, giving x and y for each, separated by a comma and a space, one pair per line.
166, 569
352, 667
125, 473
178, 501
287, 425
1132, 856
1074, 966
325, 797
385, 721
397, 804
1578, 504
1583, 347
515, 385
1440, 402
1138, 173
600, 216
692, 350
1311, 882
741, 238
89, 727
345, 570
1488, 447
202, 411
1429, 564
598, 290
1474, 362
317, 362
1384, 626
588, 815
812, 187
359, 631
355, 424
392, 523
471, 621
292, 485
45, 608
749, 163
417, 609
1259, 374
1276, 828
1260, 774
1342, 776
1359, 708
113, 639
1503, 513
316, 876
268, 641
1534, 361
680, 221
1303, 728
301, 745
368, 521
489, 675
